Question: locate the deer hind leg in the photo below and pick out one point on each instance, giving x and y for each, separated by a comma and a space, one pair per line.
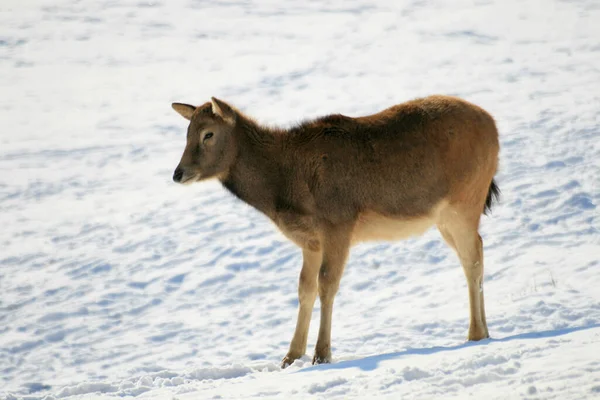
335, 253
459, 228
307, 293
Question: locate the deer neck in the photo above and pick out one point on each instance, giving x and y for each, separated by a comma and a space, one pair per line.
255, 174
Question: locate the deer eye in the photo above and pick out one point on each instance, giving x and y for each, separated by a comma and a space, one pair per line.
207, 136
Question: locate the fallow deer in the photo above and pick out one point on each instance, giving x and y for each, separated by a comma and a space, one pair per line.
334, 181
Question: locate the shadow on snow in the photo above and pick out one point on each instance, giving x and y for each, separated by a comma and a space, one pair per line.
371, 362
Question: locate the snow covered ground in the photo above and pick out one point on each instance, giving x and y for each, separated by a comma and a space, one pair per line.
115, 282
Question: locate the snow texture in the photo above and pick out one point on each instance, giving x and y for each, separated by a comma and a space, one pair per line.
117, 283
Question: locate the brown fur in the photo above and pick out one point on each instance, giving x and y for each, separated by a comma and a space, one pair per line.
336, 181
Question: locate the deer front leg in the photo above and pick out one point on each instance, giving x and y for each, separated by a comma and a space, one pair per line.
307, 293
335, 252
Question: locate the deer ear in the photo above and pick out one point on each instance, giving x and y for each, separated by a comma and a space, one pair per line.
185, 110
223, 110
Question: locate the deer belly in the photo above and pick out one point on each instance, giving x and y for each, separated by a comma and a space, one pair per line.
372, 227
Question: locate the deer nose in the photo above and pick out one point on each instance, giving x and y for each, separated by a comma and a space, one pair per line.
178, 174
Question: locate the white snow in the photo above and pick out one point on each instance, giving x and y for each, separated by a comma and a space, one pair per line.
117, 283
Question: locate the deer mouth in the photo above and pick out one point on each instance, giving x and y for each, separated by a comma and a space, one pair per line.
189, 180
